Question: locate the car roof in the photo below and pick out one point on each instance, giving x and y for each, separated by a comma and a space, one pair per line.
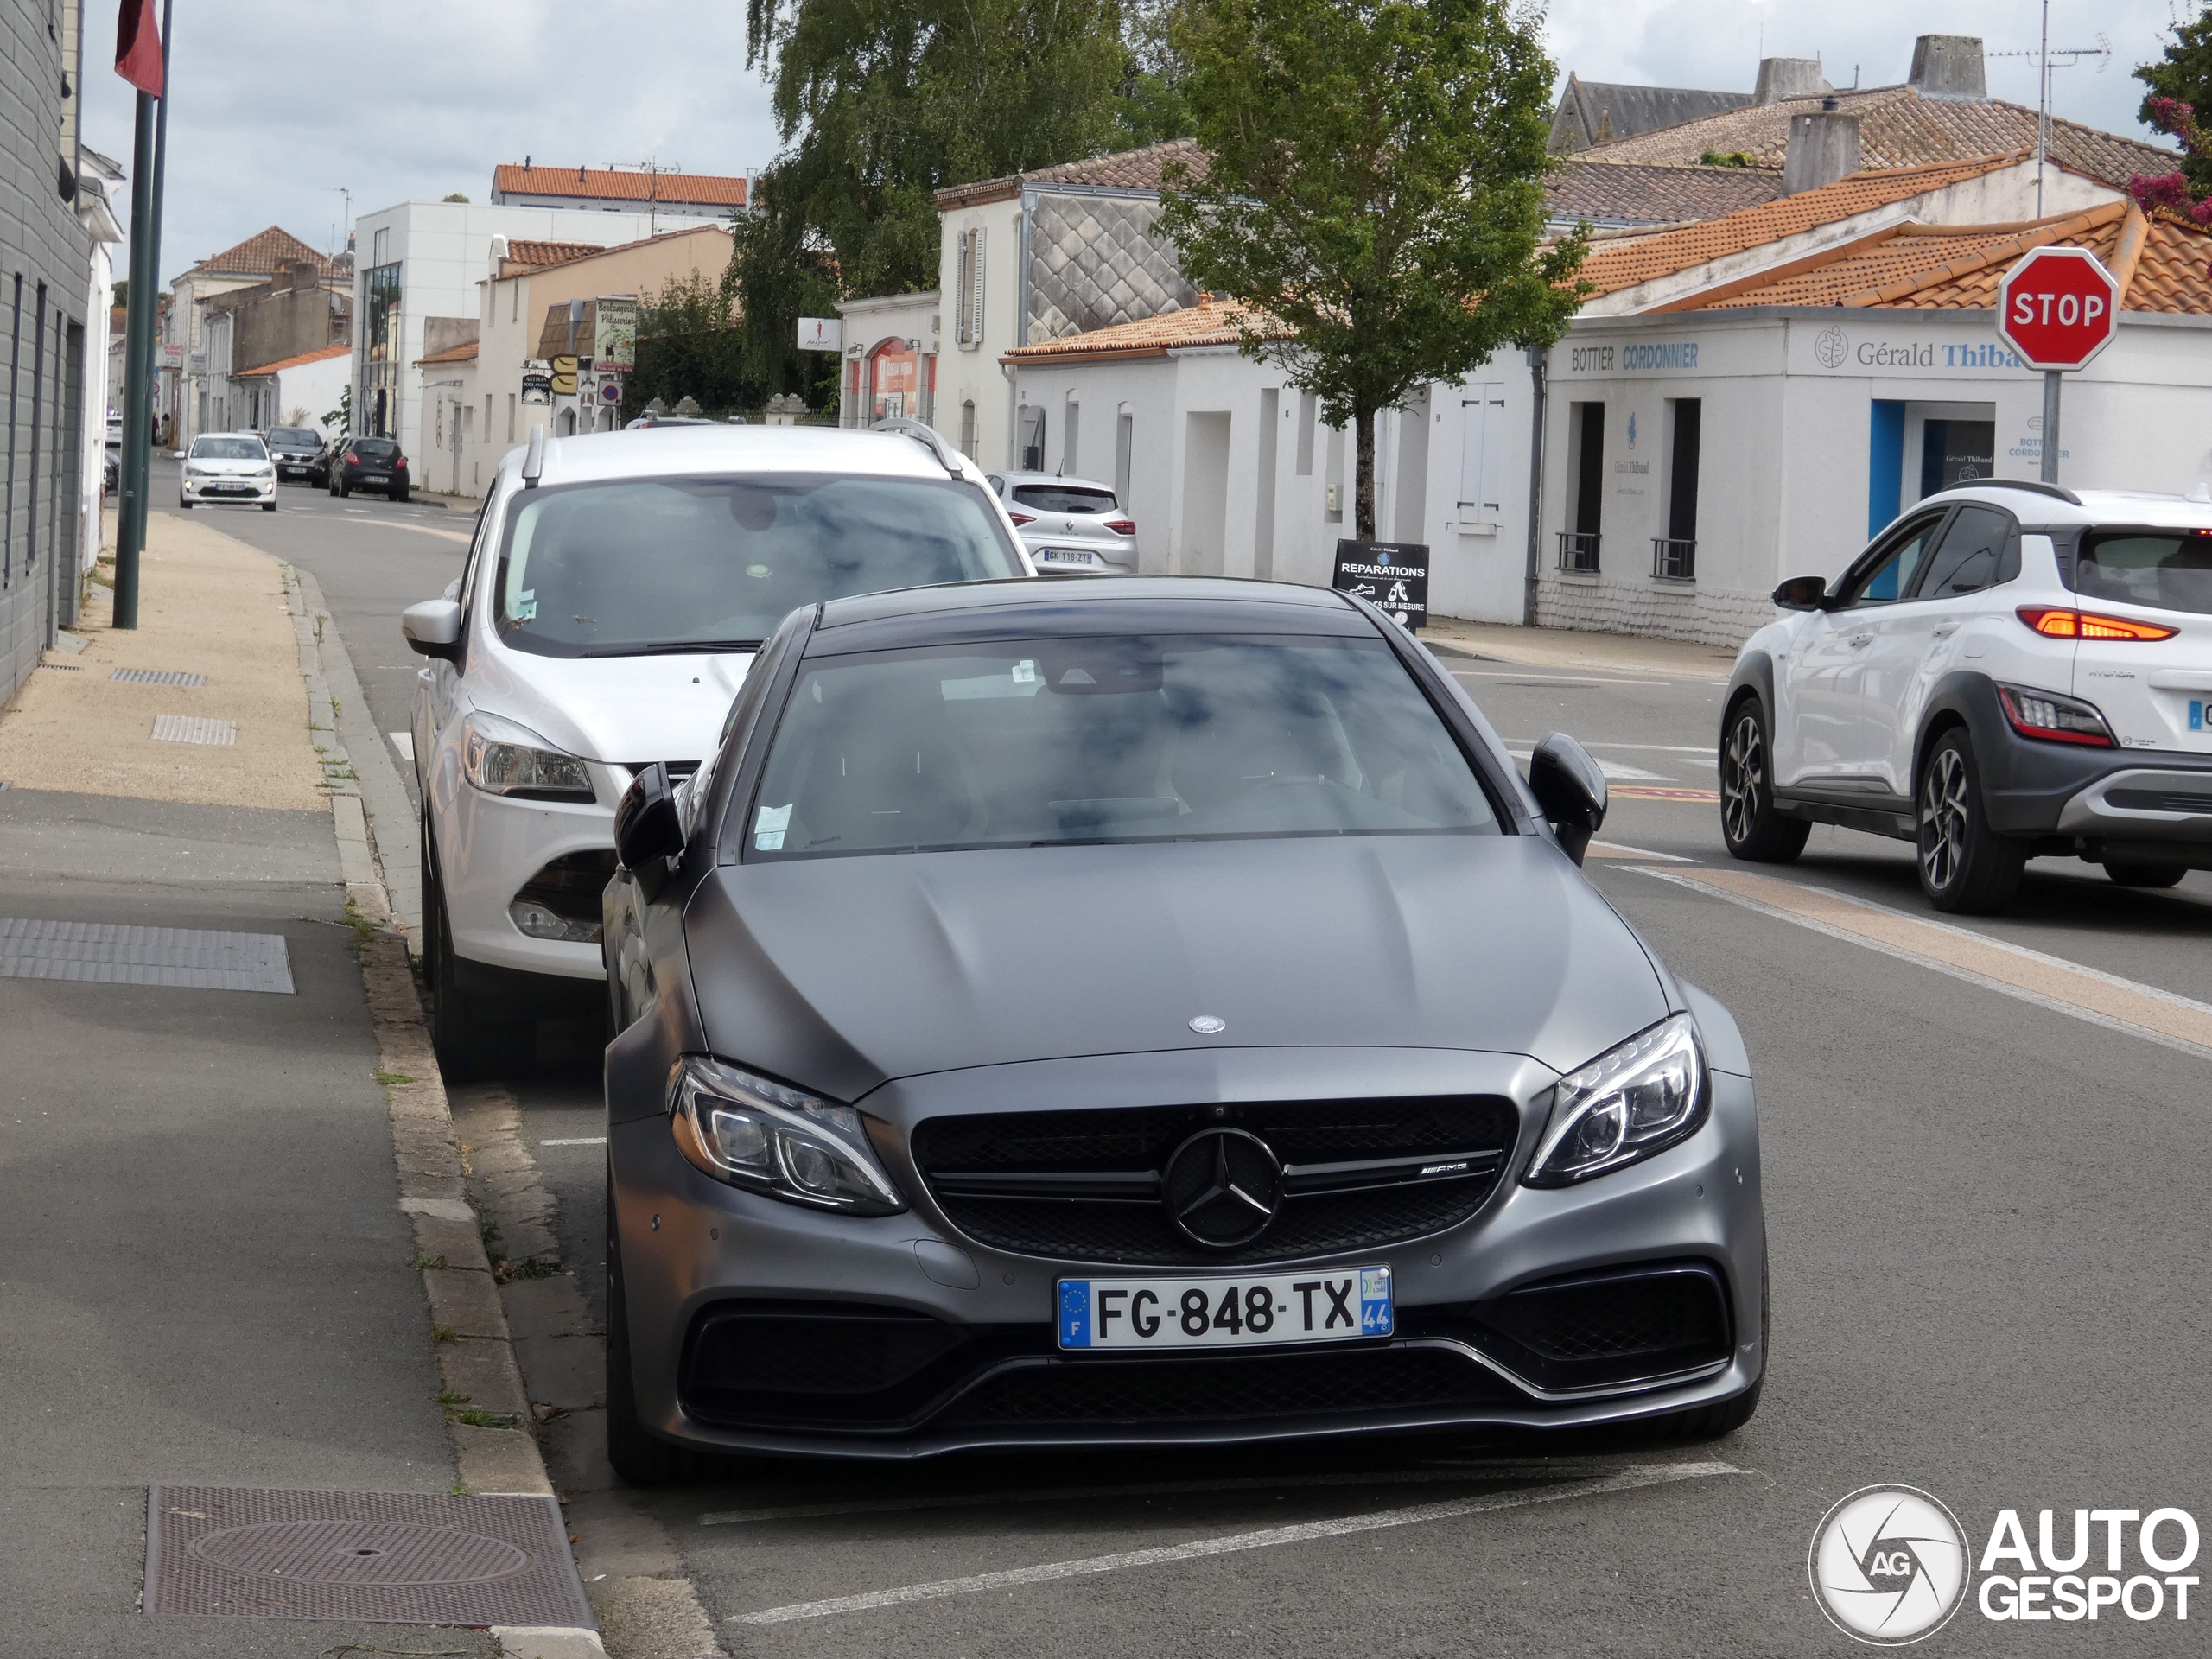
1025, 608
2034, 503
673, 451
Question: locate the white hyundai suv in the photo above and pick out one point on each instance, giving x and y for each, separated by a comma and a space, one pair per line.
615, 590
2011, 671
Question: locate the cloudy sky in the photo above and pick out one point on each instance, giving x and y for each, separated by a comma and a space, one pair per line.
275, 107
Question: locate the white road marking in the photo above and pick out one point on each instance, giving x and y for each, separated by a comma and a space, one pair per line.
1467, 1470
1616, 849
1548, 679
1653, 749
2191, 1014
578, 1140
1232, 1543
404, 742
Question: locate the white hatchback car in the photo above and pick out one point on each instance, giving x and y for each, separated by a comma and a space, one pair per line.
1071, 526
2011, 670
228, 467
615, 591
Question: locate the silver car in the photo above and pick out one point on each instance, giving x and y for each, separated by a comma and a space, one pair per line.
615, 592
1071, 526
1385, 1121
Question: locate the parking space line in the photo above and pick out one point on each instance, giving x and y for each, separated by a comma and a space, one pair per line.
1527, 679
577, 1140
2014, 971
1469, 1471
1231, 1543
1615, 850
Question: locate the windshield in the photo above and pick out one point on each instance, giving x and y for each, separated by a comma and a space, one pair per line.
1121, 738
294, 435
645, 564
1063, 498
228, 449
2171, 569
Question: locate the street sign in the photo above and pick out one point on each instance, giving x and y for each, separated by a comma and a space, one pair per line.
2058, 308
821, 334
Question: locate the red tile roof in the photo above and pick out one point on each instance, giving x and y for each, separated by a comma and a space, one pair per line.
619, 184
260, 254
462, 353
326, 354
1210, 322
1662, 256
1897, 128
525, 250
1128, 170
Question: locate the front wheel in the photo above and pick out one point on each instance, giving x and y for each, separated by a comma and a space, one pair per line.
269, 506
1750, 825
469, 1047
1965, 866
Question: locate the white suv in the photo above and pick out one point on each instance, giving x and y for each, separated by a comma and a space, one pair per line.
615, 591
2011, 670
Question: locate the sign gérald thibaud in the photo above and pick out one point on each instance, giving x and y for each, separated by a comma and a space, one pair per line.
1393, 575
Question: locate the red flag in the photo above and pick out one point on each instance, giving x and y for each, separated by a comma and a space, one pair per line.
138, 47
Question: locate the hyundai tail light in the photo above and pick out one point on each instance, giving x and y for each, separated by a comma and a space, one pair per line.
2061, 624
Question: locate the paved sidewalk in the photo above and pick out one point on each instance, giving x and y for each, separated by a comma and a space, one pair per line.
205, 1274
1571, 648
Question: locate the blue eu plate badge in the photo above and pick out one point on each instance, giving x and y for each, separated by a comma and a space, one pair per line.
2196, 714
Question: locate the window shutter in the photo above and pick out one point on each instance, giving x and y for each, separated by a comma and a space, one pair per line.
975, 288
962, 276
1482, 444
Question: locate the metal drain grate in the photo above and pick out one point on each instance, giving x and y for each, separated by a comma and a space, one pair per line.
384, 1558
65, 668
157, 677
188, 958
192, 729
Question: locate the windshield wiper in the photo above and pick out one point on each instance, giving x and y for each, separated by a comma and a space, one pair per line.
644, 648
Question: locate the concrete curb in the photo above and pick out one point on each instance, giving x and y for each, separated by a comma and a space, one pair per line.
488, 1419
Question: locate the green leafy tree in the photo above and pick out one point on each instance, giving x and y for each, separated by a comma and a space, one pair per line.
691, 344
2182, 76
1374, 198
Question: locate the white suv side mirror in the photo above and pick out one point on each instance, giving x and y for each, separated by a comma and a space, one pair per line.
433, 628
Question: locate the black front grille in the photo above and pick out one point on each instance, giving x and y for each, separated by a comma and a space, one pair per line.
2158, 800
1245, 1390
1086, 1186
1596, 1329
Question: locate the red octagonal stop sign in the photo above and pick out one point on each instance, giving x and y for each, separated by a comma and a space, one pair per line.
2058, 308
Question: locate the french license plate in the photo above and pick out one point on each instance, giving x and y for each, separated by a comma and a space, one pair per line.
1063, 556
1253, 1311
376, 478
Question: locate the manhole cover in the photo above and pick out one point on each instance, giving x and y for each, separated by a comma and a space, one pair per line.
361, 1551
389, 1558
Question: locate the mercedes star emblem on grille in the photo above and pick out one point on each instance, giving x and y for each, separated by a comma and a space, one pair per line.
1206, 1024
1222, 1187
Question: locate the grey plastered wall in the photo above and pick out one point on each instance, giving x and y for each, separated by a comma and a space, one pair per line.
41, 242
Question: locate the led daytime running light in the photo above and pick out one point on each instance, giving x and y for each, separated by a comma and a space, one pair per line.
755, 1132
1627, 1105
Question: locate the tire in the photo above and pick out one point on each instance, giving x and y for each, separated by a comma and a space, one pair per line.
1964, 866
269, 506
344, 490
470, 1047
640, 1457
183, 506
1750, 825
399, 495
2146, 876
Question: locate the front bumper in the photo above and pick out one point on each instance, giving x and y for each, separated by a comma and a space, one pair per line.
700, 1259
490, 846
229, 489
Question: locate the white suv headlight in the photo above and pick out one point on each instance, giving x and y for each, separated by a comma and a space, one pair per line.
755, 1132
1628, 1103
501, 758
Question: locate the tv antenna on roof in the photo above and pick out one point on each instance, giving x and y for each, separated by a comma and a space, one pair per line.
2043, 53
652, 190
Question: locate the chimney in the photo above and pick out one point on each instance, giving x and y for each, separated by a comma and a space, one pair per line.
1948, 66
1823, 147
1781, 78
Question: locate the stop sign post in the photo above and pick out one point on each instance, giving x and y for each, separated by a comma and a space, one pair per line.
2057, 307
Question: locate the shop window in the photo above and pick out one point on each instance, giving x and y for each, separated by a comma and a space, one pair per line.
1673, 555
894, 378
1956, 452
1586, 477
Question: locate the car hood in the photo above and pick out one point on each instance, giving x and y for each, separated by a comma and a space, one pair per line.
228, 468
626, 710
839, 974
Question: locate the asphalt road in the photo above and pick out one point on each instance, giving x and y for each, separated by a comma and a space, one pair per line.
1988, 1262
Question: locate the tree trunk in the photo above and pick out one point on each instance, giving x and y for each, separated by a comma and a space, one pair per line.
1363, 426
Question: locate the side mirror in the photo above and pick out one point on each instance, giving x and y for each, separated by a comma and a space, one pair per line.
1803, 594
1570, 787
433, 628
647, 828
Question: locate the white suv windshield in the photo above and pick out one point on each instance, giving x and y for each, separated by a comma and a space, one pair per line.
698, 563
2171, 569
228, 449
1034, 742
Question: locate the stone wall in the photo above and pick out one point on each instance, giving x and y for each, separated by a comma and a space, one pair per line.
1639, 604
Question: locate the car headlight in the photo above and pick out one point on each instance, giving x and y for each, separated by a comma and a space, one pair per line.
1628, 1103
773, 1139
501, 758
